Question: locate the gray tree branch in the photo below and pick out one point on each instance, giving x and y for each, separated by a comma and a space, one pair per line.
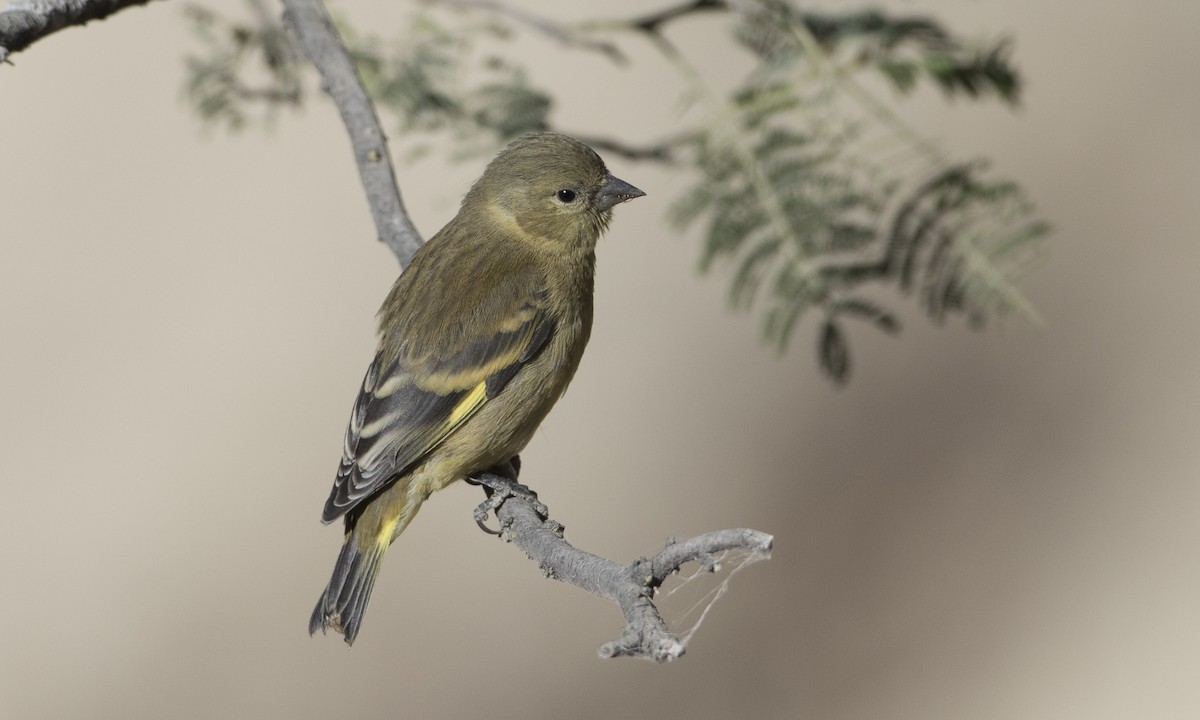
23, 22
631, 587
321, 42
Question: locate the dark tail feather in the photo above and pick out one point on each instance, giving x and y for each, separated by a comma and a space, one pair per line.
344, 601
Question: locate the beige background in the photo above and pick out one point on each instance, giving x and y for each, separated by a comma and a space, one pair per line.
997, 525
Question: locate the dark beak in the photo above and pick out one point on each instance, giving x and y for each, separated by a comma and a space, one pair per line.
615, 191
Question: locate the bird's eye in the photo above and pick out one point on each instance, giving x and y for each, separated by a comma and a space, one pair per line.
565, 195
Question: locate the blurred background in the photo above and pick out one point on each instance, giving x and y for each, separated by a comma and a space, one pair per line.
980, 525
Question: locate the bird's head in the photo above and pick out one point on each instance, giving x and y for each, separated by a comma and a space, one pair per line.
554, 187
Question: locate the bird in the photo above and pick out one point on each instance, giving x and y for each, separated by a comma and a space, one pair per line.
477, 339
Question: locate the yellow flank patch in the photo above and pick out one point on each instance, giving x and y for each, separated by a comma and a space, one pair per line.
384, 538
467, 405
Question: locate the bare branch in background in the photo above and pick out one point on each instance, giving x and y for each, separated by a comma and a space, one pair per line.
564, 34
662, 152
652, 23
321, 42
23, 22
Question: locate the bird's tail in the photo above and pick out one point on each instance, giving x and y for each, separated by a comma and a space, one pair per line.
345, 599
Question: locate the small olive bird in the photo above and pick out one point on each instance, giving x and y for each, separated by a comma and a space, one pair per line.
478, 339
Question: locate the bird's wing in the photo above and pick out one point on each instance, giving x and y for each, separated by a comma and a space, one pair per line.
412, 397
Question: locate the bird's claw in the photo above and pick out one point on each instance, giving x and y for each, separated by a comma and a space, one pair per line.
493, 503
500, 489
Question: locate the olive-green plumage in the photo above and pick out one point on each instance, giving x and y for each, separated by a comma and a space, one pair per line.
478, 338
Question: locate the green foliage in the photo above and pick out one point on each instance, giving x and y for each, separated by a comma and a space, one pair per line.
804, 187
433, 81
247, 69
958, 240
904, 49
808, 221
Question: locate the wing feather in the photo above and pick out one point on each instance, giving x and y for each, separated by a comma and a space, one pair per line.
414, 397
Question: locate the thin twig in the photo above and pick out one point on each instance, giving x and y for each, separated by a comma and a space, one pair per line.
662, 152
321, 42
652, 23
679, 553
562, 33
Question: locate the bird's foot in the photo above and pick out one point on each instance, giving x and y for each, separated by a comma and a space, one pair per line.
500, 488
